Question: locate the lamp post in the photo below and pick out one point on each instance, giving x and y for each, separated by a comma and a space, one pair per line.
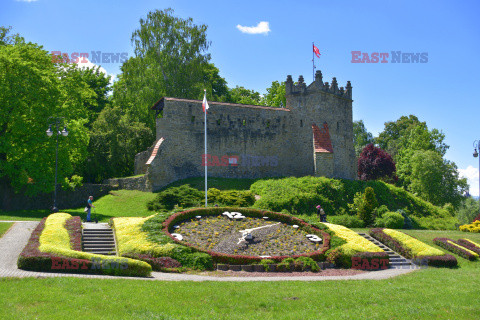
56, 123
476, 146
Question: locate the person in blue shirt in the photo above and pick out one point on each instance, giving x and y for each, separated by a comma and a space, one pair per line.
89, 206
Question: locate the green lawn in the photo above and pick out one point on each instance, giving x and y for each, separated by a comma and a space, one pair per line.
120, 203
426, 294
218, 183
4, 226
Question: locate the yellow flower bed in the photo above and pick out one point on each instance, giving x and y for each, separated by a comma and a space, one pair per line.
472, 227
473, 243
355, 242
55, 240
131, 238
463, 248
418, 248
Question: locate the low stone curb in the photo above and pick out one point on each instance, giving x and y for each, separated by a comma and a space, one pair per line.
271, 267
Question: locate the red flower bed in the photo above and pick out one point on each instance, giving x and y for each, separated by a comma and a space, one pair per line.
444, 243
318, 255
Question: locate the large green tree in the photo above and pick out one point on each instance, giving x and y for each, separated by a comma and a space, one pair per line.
171, 59
275, 96
361, 137
115, 140
32, 89
419, 155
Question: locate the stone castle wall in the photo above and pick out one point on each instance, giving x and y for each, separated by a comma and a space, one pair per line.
253, 141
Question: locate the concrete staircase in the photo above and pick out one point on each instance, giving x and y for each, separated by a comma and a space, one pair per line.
98, 238
396, 260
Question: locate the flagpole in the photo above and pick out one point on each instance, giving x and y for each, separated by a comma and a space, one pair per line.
313, 60
206, 167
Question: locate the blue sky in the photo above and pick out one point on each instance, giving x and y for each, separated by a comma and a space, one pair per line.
441, 92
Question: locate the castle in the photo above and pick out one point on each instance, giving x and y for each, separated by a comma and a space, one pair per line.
312, 135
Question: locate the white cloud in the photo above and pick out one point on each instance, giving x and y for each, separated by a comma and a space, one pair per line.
261, 28
471, 174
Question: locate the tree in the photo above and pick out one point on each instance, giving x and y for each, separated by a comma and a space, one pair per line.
115, 140
171, 59
467, 211
244, 96
436, 179
374, 163
364, 205
275, 96
32, 89
361, 137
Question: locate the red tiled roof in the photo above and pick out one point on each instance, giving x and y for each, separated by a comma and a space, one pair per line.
155, 150
321, 138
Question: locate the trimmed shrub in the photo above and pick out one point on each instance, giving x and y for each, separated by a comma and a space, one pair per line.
451, 246
469, 244
412, 248
355, 243
307, 264
133, 240
165, 264
347, 221
44, 252
237, 198
184, 196
393, 220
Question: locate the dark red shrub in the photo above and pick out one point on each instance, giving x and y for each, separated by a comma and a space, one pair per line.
374, 163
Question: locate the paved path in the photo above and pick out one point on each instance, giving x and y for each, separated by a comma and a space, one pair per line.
13, 242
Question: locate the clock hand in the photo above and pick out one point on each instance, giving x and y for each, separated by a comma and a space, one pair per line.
247, 231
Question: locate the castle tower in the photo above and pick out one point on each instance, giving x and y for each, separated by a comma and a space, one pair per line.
327, 109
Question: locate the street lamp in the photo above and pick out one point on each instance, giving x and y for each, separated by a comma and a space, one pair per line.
476, 146
57, 122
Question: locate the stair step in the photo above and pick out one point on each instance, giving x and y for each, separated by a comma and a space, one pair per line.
98, 239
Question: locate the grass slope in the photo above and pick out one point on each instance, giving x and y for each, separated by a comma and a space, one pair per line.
119, 203
4, 226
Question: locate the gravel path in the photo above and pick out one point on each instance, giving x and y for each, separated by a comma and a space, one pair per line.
13, 242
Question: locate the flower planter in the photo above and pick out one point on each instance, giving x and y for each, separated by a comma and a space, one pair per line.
235, 267
247, 267
258, 268
223, 267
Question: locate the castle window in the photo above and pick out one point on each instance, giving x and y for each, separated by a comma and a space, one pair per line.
218, 122
301, 123
193, 119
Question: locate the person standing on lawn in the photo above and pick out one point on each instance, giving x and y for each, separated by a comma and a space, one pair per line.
89, 206
321, 214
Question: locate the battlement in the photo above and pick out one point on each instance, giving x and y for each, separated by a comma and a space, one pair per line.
317, 85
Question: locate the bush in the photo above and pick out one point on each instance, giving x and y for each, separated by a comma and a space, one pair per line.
374, 163
414, 249
347, 221
451, 246
392, 220
472, 227
55, 245
364, 205
378, 212
266, 263
165, 264
184, 196
307, 264
237, 198
469, 244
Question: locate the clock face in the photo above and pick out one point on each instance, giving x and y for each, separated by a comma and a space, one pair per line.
239, 235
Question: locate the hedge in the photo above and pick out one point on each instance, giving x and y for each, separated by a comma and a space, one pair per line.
55, 246
412, 248
451, 246
355, 244
217, 257
132, 240
472, 227
469, 244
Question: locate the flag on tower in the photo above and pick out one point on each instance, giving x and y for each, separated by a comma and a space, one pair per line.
316, 51
205, 103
